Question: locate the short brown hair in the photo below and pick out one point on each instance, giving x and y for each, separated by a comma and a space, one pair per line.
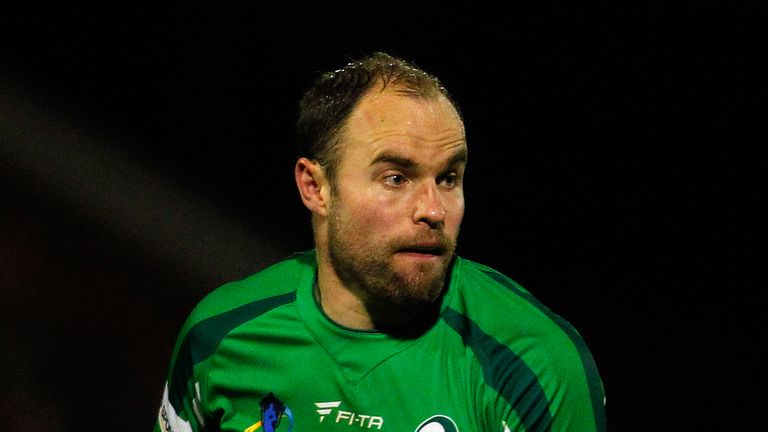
327, 104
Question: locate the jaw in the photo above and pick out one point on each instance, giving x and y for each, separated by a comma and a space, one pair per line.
419, 262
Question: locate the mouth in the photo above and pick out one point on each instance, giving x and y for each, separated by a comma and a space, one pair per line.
424, 250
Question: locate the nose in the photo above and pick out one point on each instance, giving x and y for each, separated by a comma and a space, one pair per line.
429, 208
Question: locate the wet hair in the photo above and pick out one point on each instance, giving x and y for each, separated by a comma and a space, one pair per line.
328, 103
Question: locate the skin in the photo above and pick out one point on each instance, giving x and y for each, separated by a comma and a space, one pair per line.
386, 228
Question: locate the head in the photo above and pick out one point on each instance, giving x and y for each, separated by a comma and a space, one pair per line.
326, 106
381, 169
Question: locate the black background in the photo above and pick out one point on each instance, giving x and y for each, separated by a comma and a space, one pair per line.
147, 157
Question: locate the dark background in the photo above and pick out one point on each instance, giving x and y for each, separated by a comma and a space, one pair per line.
146, 157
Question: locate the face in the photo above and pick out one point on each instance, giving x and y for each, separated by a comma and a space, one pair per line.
397, 202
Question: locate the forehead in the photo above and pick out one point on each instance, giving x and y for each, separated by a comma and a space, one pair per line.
391, 119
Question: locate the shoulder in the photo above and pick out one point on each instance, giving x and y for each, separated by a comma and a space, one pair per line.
527, 352
235, 303
505, 311
266, 289
480, 291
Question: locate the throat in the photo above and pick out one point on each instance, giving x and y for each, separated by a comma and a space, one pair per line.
343, 308
404, 319
401, 319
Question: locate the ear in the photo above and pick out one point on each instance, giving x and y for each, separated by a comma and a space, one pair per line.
313, 185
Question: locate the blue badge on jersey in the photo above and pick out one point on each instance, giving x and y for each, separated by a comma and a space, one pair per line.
272, 411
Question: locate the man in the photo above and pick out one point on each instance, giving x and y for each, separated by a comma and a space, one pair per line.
381, 326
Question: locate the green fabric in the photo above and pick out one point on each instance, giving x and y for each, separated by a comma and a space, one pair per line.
495, 359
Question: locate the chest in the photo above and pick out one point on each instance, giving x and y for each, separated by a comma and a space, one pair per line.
430, 385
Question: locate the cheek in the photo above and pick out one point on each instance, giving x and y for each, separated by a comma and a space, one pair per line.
455, 215
368, 212
379, 212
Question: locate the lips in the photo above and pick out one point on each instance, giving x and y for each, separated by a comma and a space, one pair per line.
425, 249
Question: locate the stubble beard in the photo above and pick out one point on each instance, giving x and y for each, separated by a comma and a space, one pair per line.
369, 271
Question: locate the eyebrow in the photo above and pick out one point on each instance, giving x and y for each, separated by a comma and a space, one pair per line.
404, 162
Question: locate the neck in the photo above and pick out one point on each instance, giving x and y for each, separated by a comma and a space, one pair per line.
347, 308
339, 303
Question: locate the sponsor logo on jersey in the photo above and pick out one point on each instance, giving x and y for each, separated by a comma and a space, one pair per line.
272, 412
438, 423
167, 418
330, 411
164, 421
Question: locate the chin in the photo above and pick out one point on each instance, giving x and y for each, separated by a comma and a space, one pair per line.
420, 286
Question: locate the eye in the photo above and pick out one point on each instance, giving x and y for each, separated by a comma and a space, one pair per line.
449, 180
395, 180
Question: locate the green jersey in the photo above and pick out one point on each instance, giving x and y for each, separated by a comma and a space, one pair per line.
260, 355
